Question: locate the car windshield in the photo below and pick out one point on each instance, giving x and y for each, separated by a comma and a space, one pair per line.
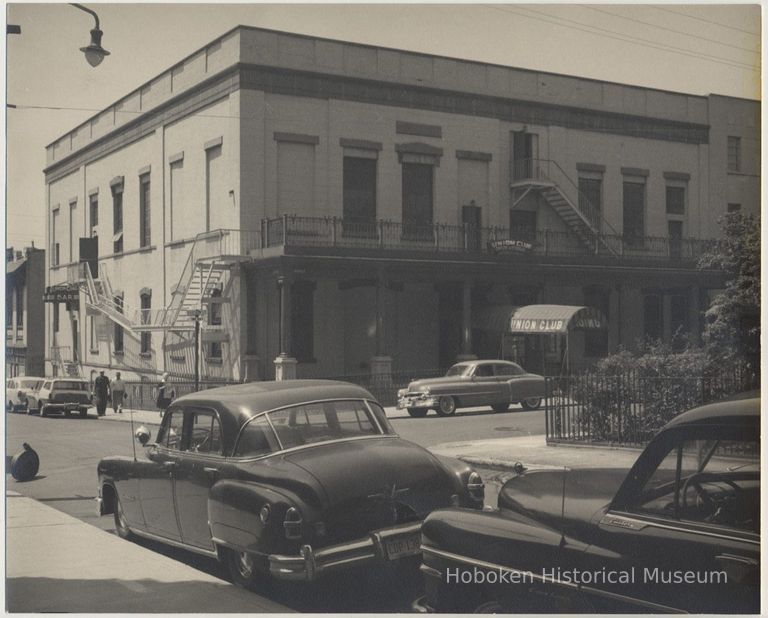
459, 370
30, 383
70, 385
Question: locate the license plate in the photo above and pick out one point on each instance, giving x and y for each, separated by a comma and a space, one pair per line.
402, 546
71, 407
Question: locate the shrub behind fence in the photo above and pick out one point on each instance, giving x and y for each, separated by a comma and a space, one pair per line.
630, 408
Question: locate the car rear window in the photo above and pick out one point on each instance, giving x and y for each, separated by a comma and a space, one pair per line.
309, 424
70, 385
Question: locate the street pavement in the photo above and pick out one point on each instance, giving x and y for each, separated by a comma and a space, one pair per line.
73, 562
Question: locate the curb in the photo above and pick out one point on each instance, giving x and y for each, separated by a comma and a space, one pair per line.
505, 465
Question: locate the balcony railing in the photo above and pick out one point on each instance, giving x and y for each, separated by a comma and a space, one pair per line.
294, 231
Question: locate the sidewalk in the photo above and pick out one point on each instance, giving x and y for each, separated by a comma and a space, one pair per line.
94, 571
532, 451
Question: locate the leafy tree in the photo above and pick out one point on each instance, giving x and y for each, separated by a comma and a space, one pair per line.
732, 328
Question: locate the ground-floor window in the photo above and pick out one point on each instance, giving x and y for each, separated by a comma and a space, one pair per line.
653, 319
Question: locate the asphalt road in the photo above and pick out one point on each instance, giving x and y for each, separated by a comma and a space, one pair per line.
70, 448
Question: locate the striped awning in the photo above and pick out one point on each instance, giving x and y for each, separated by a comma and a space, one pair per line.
552, 319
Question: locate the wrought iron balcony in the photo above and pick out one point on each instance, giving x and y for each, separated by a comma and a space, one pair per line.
294, 231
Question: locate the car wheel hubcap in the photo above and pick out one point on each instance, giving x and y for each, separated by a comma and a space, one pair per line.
533, 402
447, 406
244, 564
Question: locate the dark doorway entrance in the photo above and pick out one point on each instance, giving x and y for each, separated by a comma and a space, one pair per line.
522, 155
471, 217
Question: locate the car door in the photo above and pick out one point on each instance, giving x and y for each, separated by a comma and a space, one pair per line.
690, 534
483, 386
199, 466
156, 485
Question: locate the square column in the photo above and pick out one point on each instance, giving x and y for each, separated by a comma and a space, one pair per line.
466, 323
285, 364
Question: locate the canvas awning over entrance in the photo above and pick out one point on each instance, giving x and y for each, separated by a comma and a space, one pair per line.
554, 319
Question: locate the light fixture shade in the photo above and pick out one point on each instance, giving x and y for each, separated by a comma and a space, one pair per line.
95, 53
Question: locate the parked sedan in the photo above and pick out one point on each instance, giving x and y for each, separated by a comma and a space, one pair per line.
679, 532
493, 383
17, 391
62, 395
290, 479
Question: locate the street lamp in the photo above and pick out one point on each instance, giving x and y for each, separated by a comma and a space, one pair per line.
94, 52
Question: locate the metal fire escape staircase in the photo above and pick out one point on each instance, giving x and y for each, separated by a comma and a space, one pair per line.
206, 270
582, 217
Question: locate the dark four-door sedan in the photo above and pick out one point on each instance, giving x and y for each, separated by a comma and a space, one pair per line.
291, 479
679, 533
493, 383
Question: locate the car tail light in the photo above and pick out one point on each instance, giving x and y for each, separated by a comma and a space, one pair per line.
475, 486
292, 523
264, 514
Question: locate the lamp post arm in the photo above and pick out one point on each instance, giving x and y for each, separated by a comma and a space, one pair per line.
87, 10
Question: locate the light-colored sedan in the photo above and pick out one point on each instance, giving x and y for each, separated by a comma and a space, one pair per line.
494, 383
18, 390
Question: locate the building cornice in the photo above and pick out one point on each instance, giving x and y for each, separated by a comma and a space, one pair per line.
325, 86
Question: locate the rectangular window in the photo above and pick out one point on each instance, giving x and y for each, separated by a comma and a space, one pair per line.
418, 187
118, 334
734, 154
55, 317
93, 208
176, 200
145, 232
653, 319
19, 306
596, 341
117, 218
675, 229
72, 207
214, 319
591, 197
675, 200
212, 155
734, 208
302, 320
359, 197
54, 244
522, 225
634, 213
146, 318
206, 433
94, 347
8, 307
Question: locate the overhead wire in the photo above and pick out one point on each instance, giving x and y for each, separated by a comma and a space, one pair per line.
708, 21
551, 19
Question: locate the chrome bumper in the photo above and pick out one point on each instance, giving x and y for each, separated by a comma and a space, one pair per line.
310, 564
415, 401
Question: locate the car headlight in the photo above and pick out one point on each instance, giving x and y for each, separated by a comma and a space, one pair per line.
426, 391
401, 393
292, 524
475, 486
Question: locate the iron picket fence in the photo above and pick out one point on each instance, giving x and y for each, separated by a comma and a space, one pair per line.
629, 409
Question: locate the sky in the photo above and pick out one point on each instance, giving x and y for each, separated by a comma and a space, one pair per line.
700, 49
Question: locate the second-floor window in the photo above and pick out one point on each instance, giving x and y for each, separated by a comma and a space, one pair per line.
93, 208
734, 153
359, 195
145, 232
634, 212
54, 243
675, 200
591, 197
146, 318
117, 218
418, 190
118, 334
19, 306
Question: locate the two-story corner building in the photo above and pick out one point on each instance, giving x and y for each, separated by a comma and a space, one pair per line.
24, 313
328, 209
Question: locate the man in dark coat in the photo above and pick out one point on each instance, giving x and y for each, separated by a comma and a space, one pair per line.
101, 393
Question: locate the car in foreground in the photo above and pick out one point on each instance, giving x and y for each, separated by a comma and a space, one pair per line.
494, 383
18, 390
291, 479
62, 396
679, 533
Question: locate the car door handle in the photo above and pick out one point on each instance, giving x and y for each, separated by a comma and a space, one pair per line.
739, 569
213, 473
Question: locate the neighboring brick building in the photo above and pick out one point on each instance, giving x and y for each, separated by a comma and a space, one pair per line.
354, 209
24, 313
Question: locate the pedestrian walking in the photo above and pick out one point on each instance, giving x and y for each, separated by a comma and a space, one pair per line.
101, 393
165, 393
118, 394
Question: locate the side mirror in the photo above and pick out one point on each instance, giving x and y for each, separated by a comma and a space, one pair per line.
143, 435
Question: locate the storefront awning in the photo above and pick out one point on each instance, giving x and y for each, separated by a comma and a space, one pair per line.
553, 319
